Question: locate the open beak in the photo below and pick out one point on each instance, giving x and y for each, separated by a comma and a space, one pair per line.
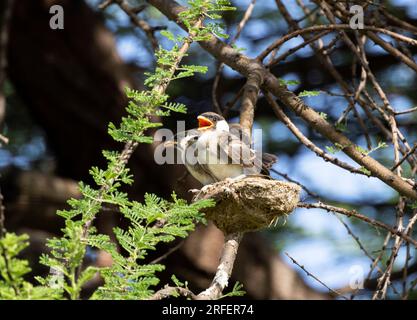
204, 123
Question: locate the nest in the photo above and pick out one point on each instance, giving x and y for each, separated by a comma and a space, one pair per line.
249, 204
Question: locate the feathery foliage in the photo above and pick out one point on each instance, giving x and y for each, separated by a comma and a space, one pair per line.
150, 223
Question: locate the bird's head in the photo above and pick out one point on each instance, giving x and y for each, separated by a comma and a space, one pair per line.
208, 120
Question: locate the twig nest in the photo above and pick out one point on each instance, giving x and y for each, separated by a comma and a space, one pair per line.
249, 204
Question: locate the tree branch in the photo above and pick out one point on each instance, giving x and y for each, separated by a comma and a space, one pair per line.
224, 270
355, 214
245, 65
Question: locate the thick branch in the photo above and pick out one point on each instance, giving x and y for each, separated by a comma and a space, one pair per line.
250, 96
224, 270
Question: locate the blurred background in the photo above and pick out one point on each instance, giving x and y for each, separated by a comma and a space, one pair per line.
64, 86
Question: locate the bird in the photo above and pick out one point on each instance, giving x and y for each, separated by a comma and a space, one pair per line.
216, 151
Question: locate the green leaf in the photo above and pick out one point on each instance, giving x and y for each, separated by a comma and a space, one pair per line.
365, 171
168, 34
288, 82
307, 93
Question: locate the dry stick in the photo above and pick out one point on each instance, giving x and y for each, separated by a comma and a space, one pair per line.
288, 178
351, 100
406, 111
306, 141
168, 292
360, 54
230, 104
328, 64
285, 55
168, 253
323, 58
245, 65
355, 214
379, 257
356, 238
224, 269
330, 47
374, 265
332, 27
142, 24
348, 229
241, 25
307, 13
402, 24
326, 61
386, 46
392, 50
359, 89
405, 291
334, 292
384, 280
220, 280
362, 58
323, 55
361, 246
412, 150
412, 161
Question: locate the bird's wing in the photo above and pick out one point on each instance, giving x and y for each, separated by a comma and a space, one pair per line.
267, 159
236, 130
235, 148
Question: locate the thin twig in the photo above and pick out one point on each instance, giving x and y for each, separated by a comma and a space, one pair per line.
304, 140
168, 253
333, 27
412, 150
286, 177
406, 111
132, 13
334, 292
355, 214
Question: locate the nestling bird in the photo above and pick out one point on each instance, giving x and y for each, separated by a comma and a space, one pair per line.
217, 151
